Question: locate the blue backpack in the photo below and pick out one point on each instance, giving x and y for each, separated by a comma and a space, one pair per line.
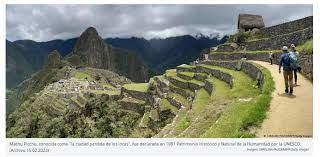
288, 61
293, 60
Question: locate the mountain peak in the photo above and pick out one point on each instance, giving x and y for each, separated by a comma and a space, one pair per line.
89, 42
54, 60
90, 34
91, 30
199, 35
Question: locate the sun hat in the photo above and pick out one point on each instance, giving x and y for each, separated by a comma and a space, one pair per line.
284, 48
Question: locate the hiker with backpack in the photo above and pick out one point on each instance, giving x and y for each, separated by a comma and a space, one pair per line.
287, 63
294, 54
271, 56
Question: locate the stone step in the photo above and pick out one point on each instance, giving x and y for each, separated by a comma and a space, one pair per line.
233, 65
162, 81
247, 67
144, 120
187, 93
166, 105
132, 104
186, 75
192, 84
195, 84
58, 108
104, 95
178, 82
167, 131
81, 99
159, 87
178, 100
213, 71
186, 68
74, 101
209, 85
200, 76
49, 96
136, 90
61, 104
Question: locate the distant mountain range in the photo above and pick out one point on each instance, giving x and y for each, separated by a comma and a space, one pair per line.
25, 57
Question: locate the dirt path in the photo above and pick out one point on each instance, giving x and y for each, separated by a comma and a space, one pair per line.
288, 115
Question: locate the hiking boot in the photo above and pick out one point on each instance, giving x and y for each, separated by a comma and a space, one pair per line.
286, 90
291, 91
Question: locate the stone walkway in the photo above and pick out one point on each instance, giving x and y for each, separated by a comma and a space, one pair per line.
288, 115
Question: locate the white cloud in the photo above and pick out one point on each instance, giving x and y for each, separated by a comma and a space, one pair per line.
48, 22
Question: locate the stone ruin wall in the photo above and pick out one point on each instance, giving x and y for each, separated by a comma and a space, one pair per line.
305, 60
276, 42
288, 27
250, 69
296, 32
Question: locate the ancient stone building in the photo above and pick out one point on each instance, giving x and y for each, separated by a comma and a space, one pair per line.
247, 22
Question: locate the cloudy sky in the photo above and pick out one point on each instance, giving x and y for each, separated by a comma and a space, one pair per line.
48, 22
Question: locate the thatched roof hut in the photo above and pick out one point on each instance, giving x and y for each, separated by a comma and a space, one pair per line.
248, 21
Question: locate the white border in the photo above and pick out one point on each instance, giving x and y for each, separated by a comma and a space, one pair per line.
159, 2
316, 12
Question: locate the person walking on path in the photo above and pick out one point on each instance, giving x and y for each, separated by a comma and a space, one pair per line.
271, 56
295, 55
285, 62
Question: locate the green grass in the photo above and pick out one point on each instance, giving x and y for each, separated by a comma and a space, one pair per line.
204, 108
154, 114
108, 92
171, 72
224, 113
108, 85
196, 82
145, 119
173, 75
183, 124
173, 86
239, 116
142, 87
201, 74
133, 100
179, 98
165, 105
188, 74
82, 75
201, 117
186, 66
307, 47
201, 100
160, 77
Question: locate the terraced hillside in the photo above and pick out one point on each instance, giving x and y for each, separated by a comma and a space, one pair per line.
210, 99
224, 94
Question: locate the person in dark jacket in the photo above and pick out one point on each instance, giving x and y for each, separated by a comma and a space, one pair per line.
295, 53
285, 62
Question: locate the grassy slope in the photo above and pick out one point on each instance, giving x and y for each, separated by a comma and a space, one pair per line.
142, 87
307, 47
83, 75
108, 92
203, 113
240, 115
173, 74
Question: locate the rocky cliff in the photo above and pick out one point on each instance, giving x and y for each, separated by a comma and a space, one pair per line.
92, 51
